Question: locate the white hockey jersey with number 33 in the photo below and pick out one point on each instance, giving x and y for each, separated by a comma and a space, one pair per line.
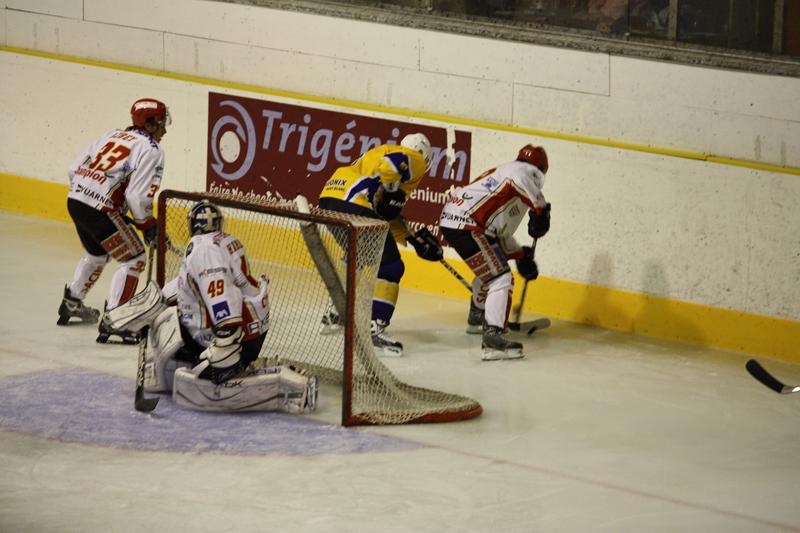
121, 170
215, 288
496, 202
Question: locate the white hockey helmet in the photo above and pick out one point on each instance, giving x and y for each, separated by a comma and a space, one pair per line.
420, 143
204, 217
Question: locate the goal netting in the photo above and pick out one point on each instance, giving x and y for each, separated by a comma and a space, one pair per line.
314, 258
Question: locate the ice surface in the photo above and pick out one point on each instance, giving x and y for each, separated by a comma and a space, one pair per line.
594, 431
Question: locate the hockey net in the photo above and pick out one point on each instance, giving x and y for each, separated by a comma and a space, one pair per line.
312, 259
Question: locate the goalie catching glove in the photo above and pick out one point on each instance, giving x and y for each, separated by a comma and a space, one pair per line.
426, 245
526, 266
390, 204
539, 221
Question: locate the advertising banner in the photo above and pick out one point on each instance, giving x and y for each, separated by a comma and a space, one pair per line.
275, 150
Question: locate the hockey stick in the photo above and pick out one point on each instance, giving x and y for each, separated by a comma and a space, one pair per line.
517, 324
761, 374
458, 276
528, 327
142, 404
444, 263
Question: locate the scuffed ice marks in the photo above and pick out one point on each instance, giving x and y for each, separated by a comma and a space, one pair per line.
93, 408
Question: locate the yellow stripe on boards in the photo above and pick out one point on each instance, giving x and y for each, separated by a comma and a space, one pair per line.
33, 197
567, 300
626, 311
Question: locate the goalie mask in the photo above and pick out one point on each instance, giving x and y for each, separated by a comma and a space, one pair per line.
535, 155
204, 217
420, 143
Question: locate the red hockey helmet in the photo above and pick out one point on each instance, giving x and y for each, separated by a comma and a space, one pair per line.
535, 155
146, 109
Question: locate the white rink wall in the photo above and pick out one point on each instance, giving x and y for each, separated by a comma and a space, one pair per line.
719, 235
730, 114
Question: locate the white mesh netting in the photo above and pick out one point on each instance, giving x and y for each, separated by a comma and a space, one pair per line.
276, 246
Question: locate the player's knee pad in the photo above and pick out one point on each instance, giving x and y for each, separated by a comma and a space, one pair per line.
96, 261
164, 342
87, 273
135, 265
498, 300
488, 262
124, 244
267, 389
503, 282
139, 311
125, 280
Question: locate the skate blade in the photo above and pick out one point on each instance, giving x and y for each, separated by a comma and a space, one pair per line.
330, 329
474, 330
500, 355
115, 339
65, 321
387, 351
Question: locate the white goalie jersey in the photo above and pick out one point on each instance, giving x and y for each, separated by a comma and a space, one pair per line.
215, 288
122, 170
496, 202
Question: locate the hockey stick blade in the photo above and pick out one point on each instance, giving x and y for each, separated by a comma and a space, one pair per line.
761, 374
142, 404
531, 326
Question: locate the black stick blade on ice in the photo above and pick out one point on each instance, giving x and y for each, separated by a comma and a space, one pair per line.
531, 326
761, 374
142, 404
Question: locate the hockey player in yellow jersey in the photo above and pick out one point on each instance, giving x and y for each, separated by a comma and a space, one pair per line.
377, 185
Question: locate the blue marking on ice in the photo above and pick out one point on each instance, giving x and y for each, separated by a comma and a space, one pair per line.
92, 408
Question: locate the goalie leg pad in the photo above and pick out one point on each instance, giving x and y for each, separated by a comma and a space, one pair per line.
267, 389
138, 312
164, 341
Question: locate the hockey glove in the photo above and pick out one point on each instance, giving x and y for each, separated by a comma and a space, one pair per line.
526, 266
426, 245
149, 230
151, 235
390, 204
539, 222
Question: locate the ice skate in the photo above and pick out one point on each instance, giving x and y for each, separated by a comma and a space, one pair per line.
108, 335
331, 321
475, 319
73, 308
496, 347
385, 346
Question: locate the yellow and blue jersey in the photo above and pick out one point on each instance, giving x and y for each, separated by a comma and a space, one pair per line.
388, 166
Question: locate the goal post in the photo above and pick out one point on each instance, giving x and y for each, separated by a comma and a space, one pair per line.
313, 258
